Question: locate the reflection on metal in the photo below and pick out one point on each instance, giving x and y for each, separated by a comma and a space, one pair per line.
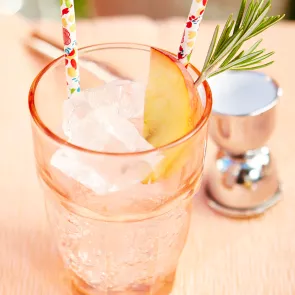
243, 182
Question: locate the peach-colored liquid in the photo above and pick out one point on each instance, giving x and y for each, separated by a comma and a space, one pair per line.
162, 286
137, 257
127, 241
133, 245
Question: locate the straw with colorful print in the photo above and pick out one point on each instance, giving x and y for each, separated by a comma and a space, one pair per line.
190, 32
70, 46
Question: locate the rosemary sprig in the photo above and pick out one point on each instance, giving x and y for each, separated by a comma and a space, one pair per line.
225, 51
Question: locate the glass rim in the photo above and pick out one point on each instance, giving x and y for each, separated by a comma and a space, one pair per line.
100, 46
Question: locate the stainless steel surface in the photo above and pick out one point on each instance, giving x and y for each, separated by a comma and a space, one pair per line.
243, 185
245, 212
240, 133
244, 181
236, 135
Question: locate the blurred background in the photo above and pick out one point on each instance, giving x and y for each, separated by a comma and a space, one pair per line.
156, 9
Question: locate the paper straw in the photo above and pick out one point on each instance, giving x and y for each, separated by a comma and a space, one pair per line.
70, 45
190, 32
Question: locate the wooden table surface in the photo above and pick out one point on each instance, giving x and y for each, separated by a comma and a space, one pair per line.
223, 256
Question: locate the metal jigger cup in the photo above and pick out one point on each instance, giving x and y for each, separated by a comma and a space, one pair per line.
243, 182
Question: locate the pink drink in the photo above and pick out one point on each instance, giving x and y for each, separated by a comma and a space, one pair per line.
122, 237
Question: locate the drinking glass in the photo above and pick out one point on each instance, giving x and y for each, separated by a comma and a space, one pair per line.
127, 241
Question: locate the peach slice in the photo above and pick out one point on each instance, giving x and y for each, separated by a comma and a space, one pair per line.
172, 108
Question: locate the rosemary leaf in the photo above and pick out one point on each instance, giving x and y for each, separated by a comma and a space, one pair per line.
226, 35
245, 59
228, 46
257, 60
242, 53
253, 68
257, 22
267, 25
231, 55
257, 10
212, 45
225, 31
254, 47
240, 16
249, 15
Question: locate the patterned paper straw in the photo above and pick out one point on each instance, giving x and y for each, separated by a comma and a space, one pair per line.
70, 45
190, 32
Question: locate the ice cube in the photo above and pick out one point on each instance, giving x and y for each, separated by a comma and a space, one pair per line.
100, 174
127, 96
74, 109
89, 133
69, 164
97, 119
104, 129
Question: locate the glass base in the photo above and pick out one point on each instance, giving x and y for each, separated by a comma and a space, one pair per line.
163, 287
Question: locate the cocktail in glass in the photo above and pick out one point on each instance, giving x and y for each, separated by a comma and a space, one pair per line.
124, 235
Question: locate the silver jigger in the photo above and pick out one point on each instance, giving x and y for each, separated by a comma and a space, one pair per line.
243, 181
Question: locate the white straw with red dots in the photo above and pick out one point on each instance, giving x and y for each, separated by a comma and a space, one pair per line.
70, 46
190, 32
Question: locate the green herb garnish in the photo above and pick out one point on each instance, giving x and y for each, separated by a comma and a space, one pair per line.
225, 51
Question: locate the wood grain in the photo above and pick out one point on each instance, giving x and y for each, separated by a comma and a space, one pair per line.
222, 257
